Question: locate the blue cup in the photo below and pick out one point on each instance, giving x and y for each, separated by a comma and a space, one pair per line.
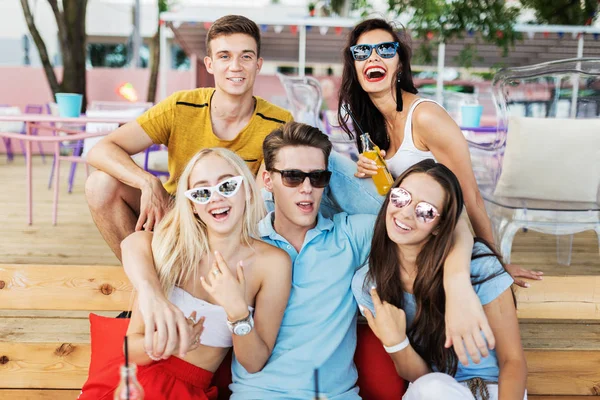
69, 104
471, 115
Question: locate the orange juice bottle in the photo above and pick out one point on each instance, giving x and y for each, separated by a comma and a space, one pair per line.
383, 180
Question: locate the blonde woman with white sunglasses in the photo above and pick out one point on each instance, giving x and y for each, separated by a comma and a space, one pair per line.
226, 288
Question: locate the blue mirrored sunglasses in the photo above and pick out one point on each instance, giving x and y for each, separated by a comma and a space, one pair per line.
361, 52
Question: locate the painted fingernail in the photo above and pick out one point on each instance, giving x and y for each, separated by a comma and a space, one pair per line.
361, 308
527, 285
373, 288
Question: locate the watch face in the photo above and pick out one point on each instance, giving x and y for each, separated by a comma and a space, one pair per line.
242, 329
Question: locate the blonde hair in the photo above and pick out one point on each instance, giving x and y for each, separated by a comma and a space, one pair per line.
181, 238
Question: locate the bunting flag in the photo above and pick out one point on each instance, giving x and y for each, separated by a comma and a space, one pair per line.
499, 34
470, 32
207, 25
338, 30
546, 34
278, 28
596, 36
323, 30
429, 35
264, 27
294, 29
161, 22
560, 35
308, 28
575, 35
530, 35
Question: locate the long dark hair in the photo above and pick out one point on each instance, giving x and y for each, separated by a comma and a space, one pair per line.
427, 332
351, 93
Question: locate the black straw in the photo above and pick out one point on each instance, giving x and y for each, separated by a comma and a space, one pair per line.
356, 124
126, 367
316, 384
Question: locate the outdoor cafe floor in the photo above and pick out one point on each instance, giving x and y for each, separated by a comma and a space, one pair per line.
76, 241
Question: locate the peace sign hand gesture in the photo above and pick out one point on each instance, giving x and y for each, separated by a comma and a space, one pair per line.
389, 322
228, 290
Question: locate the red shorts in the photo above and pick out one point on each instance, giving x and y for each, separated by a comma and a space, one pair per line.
161, 380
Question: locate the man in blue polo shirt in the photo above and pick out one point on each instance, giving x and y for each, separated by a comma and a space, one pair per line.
319, 325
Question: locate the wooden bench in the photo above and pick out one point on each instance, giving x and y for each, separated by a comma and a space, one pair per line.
45, 350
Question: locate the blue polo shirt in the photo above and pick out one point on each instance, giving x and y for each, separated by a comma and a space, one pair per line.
318, 329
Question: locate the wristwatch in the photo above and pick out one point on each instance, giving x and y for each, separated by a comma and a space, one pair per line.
241, 327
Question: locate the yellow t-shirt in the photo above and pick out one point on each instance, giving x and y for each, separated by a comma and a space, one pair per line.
182, 123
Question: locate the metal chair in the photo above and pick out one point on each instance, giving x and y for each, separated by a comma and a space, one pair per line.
15, 126
77, 150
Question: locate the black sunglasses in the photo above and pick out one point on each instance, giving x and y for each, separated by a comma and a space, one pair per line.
295, 177
361, 52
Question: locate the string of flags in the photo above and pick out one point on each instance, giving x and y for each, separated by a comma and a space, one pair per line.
530, 35
280, 28
293, 29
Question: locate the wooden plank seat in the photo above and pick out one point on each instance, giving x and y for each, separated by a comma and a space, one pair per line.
44, 331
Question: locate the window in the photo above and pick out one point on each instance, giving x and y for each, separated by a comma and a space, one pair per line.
115, 55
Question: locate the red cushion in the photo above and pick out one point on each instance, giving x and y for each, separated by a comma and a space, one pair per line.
377, 376
222, 377
107, 335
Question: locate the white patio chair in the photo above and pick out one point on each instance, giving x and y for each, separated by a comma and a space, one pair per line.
304, 97
542, 169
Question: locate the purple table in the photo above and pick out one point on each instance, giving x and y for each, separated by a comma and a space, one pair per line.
44, 122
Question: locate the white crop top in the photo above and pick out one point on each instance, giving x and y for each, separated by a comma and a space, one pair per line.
216, 333
408, 155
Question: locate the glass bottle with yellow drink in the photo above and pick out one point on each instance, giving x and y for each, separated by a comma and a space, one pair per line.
383, 179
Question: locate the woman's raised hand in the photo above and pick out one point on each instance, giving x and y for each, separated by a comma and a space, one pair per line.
228, 290
365, 167
389, 322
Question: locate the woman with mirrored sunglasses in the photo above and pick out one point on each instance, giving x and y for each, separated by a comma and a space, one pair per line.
401, 293
221, 285
377, 88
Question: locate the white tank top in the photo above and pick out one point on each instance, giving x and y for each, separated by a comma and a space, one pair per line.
408, 155
216, 333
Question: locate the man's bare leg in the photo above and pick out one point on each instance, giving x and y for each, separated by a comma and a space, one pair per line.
114, 206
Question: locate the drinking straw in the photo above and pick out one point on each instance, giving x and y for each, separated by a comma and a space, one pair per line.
356, 124
126, 368
316, 384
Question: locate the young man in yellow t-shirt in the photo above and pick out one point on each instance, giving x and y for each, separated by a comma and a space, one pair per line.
122, 196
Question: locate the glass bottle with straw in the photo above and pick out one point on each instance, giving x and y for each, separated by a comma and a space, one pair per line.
383, 179
129, 388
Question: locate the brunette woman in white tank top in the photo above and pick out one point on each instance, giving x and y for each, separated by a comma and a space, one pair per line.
377, 86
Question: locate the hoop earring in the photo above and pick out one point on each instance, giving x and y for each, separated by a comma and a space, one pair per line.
399, 104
